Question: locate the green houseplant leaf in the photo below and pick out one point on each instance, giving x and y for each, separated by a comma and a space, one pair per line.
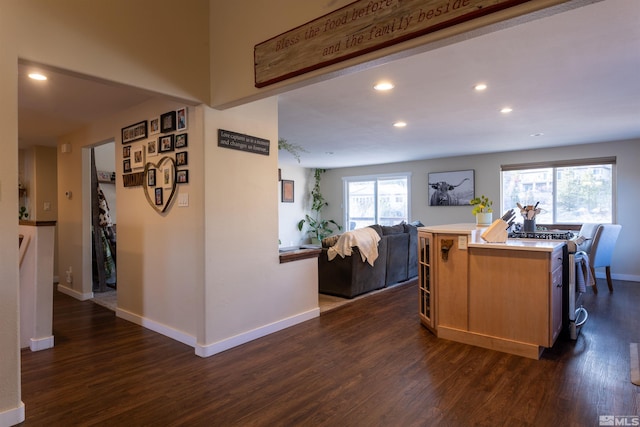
481, 204
317, 227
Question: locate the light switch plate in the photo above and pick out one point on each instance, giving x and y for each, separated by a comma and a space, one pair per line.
183, 199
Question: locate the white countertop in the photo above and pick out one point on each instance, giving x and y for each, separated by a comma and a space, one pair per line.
520, 244
475, 241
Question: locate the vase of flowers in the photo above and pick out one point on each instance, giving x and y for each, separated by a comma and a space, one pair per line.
482, 210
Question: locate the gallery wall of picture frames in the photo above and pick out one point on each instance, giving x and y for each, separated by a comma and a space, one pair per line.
155, 155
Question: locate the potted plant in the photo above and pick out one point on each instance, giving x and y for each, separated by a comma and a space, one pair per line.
293, 149
482, 210
317, 227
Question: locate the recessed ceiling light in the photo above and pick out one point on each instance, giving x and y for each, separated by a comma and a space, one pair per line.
537, 134
400, 124
480, 87
382, 86
506, 110
37, 76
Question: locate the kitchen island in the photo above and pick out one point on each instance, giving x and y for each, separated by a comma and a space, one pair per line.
501, 296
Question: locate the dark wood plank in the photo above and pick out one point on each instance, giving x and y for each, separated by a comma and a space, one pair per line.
368, 363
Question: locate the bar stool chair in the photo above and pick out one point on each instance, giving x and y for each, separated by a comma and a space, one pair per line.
599, 245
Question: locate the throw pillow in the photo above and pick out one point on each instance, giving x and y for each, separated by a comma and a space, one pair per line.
393, 229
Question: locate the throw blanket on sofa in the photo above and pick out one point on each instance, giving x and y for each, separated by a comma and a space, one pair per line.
366, 239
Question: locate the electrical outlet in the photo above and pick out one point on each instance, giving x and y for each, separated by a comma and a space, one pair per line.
462, 242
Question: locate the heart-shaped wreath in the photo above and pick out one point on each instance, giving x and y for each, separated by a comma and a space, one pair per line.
165, 175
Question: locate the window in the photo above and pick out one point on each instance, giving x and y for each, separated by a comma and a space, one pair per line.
569, 192
380, 200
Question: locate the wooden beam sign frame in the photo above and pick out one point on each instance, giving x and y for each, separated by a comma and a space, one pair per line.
358, 28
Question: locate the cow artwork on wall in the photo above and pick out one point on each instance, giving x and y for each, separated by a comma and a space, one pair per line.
455, 188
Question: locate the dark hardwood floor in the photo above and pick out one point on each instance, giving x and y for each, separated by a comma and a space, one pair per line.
368, 363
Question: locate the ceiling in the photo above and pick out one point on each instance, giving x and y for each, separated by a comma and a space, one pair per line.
65, 102
571, 78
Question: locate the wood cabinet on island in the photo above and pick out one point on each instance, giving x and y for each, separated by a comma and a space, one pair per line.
501, 296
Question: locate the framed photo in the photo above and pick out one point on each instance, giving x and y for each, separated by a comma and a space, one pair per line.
165, 144
182, 177
168, 122
126, 152
181, 158
158, 193
126, 165
151, 177
152, 148
154, 126
167, 176
138, 156
134, 132
105, 176
181, 140
181, 118
451, 188
287, 191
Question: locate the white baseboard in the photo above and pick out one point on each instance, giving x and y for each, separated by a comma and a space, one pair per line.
220, 346
623, 277
73, 293
226, 344
157, 327
13, 416
38, 344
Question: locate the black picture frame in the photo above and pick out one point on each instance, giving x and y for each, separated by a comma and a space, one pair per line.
151, 178
126, 165
287, 191
181, 140
134, 132
126, 152
168, 122
182, 176
165, 143
455, 188
182, 158
158, 196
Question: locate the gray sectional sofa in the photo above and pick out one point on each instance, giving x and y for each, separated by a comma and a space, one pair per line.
349, 276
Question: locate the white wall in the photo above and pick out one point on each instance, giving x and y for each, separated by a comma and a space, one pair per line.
487, 181
289, 214
149, 44
248, 293
160, 263
11, 407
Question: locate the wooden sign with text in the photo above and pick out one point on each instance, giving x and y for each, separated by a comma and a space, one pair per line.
358, 28
135, 179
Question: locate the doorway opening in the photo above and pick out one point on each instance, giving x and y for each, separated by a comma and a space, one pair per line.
103, 225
